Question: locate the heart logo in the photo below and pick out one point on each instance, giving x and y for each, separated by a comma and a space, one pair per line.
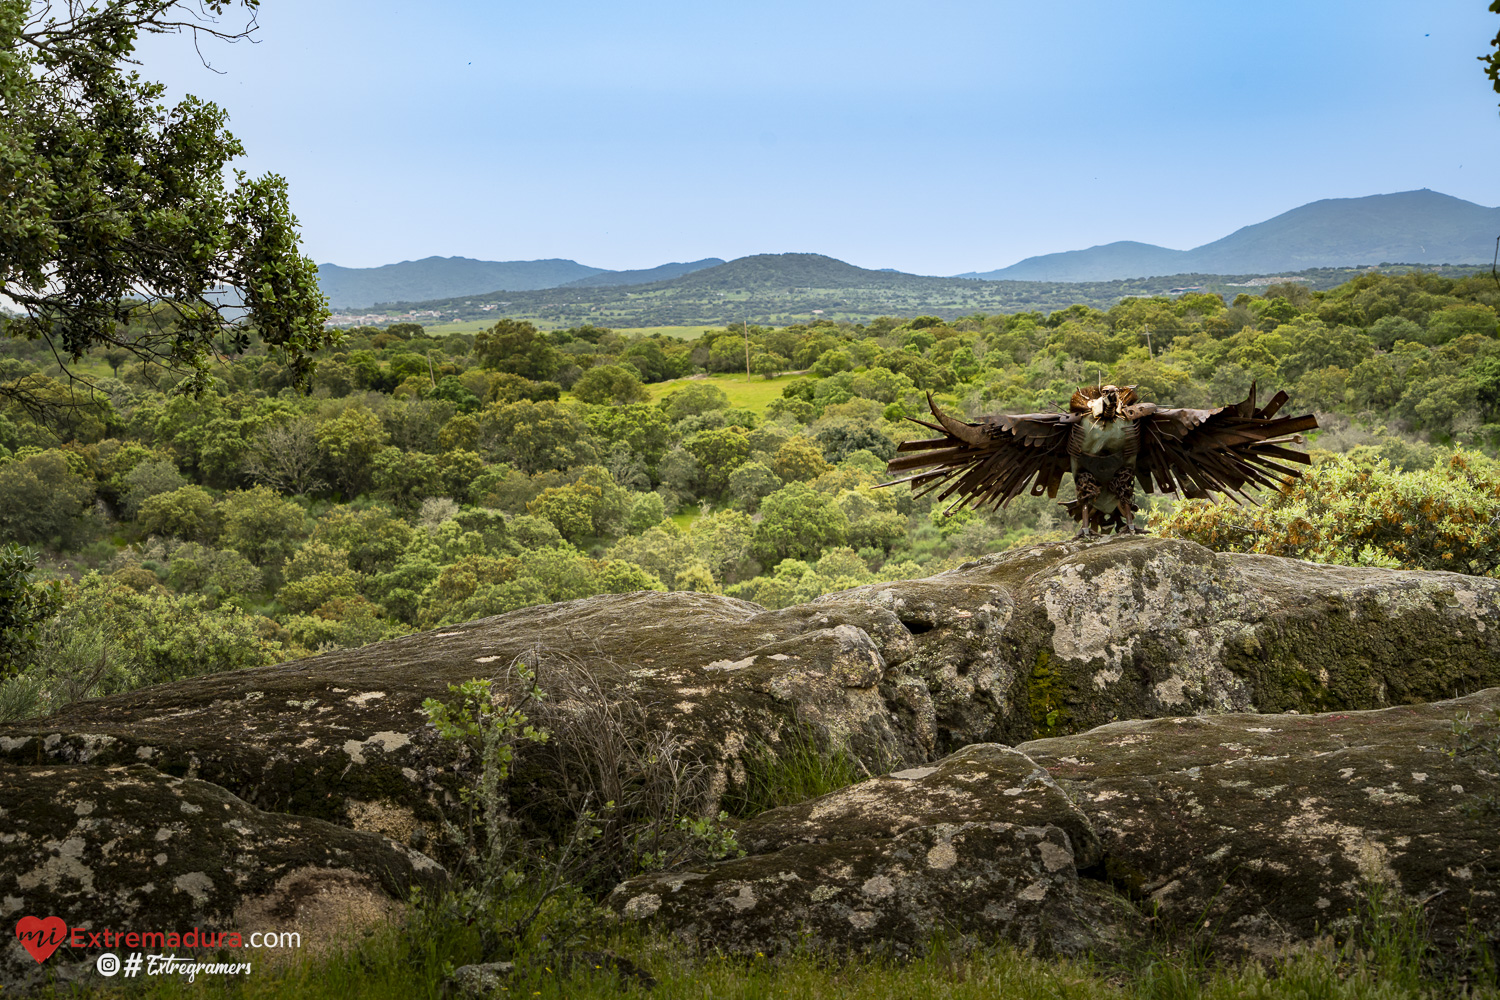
41, 937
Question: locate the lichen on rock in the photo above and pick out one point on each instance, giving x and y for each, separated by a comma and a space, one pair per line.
1269, 829
132, 849
1033, 648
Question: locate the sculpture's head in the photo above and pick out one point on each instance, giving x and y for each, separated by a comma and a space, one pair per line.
1103, 402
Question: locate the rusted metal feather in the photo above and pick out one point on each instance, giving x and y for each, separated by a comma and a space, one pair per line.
1188, 452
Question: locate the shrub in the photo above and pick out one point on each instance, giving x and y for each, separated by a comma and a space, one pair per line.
24, 605
1347, 512
187, 513
41, 497
611, 384
797, 521
109, 638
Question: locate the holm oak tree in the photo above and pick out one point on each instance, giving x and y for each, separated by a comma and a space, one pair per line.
118, 226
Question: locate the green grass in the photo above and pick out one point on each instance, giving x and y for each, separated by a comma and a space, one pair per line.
440, 330
393, 964
793, 771
755, 394
685, 516
91, 367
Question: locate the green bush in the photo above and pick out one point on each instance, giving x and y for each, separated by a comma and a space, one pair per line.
187, 513
619, 385
41, 498
24, 605
1347, 512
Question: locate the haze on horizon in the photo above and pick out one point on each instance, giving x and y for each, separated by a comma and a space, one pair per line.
956, 136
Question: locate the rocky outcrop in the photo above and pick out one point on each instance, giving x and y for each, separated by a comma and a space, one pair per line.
1036, 642
1059, 638
342, 737
129, 849
984, 779
1272, 827
983, 840
1043, 642
1265, 829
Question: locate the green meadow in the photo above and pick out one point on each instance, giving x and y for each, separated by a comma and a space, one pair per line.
755, 394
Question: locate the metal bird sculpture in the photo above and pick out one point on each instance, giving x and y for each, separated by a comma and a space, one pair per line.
1110, 441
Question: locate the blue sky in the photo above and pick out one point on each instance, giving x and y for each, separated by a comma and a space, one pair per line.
936, 138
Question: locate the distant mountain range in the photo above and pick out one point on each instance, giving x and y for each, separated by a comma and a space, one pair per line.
447, 277
1412, 227
440, 278
779, 289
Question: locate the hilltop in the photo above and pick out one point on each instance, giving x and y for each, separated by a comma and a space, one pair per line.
664, 272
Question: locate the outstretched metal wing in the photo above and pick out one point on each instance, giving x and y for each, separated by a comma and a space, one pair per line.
1196, 452
1186, 451
992, 461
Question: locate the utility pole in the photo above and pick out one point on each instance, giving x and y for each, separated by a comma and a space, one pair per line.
746, 321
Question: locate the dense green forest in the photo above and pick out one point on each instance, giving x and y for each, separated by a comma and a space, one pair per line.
422, 481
